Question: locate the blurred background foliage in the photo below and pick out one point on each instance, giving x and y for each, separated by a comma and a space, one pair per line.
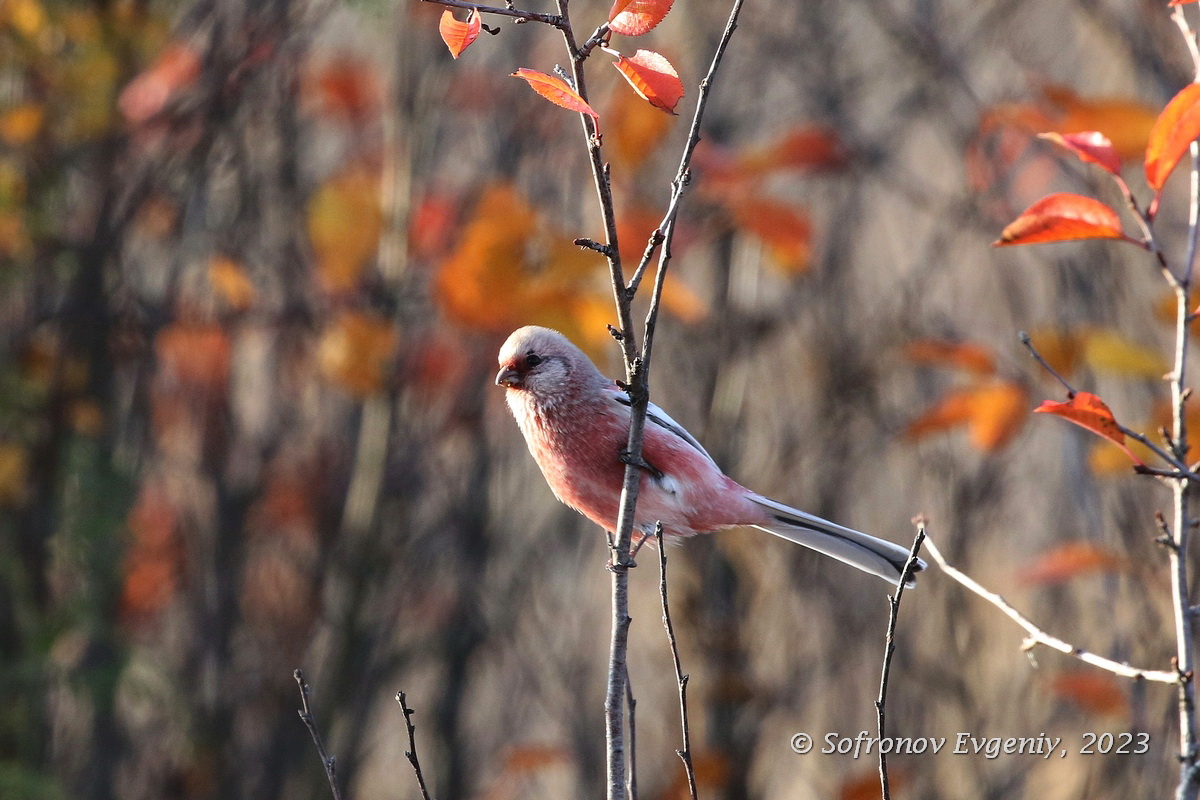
257, 258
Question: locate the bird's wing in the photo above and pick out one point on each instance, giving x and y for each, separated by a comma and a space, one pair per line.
656, 416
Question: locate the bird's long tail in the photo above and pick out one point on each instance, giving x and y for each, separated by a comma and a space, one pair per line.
869, 554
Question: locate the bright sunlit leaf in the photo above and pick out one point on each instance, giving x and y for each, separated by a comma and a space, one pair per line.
964, 355
634, 130
1091, 147
459, 35
1063, 217
1090, 412
1070, 560
635, 17
1175, 129
652, 77
556, 90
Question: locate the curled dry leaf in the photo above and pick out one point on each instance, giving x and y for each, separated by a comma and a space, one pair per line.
556, 90
652, 77
964, 355
1089, 411
1091, 147
1063, 217
1175, 129
459, 35
635, 17
1071, 560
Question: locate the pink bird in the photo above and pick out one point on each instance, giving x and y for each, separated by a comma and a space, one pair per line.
576, 423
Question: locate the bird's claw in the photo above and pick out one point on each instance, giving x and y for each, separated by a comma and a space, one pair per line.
641, 463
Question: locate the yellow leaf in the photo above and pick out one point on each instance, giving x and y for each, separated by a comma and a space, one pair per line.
21, 123
355, 351
27, 17
1105, 350
345, 221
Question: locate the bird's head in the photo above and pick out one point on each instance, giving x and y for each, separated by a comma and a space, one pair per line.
543, 363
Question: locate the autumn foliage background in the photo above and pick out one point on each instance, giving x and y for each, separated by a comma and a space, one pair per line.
257, 259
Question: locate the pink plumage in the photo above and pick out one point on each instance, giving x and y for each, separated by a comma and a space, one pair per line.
576, 422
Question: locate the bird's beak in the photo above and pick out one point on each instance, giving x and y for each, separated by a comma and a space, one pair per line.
508, 378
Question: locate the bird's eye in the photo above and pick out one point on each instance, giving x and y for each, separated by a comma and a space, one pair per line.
532, 360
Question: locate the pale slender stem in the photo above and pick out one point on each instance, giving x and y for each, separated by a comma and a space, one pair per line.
1038, 636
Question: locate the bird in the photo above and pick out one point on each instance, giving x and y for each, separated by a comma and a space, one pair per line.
576, 425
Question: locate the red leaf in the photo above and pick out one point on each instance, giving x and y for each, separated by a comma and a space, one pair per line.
1091, 147
459, 35
556, 91
1175, 129
1063, 217
1089, 411
1095, 692
635, 17
653, 77
1174, 3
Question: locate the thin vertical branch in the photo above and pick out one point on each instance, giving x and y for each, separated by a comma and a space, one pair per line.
411, 752
685, 754
327, 761
890, 649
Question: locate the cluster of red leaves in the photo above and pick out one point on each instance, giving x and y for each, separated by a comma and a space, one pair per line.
650, 74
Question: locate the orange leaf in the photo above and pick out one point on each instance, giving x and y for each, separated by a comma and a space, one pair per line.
1175, 129
344, 87
1091, 147
1096, 692
21, 123
1071, 560
1063, 350
634, 130
1063, 217
992, 413
355, 352
635, 17
679, 299
785, 230
972, 357
803, 147
230, 281
1106, 460
555, 90
1174, 3
459, 35
1089, 411
653, 77
865, 785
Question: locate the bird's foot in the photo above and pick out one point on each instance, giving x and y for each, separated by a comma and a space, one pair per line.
628, 459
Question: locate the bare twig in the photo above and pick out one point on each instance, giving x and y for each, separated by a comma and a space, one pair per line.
411, 752
516, 13
890, 648
685, 754
327, 761
1028, 342
1038, 636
